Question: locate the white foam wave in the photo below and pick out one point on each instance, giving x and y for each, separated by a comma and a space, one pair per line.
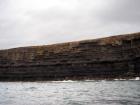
64, 81
92, 80
137, 78
134, 79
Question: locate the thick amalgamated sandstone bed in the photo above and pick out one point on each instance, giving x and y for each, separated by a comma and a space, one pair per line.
105, 58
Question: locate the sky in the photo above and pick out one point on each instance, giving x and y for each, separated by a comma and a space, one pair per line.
42, 22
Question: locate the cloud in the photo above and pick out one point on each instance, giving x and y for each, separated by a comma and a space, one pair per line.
37, 22
124, 11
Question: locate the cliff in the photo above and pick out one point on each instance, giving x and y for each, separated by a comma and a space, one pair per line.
111, 57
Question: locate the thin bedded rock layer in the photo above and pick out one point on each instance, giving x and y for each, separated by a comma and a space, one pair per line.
105, 58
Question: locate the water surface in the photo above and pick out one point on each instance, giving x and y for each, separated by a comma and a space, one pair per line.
70, 93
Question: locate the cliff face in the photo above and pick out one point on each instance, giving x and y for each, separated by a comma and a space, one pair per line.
111, 57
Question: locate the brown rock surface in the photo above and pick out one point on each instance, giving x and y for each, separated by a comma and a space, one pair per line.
111, 57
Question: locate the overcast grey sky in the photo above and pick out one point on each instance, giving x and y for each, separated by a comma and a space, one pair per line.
39, 22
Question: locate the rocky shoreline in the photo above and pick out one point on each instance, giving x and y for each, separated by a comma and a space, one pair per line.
105, 58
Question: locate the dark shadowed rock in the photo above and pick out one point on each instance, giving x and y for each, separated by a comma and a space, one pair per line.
111, 57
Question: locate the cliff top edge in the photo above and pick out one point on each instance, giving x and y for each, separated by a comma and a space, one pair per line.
100, 41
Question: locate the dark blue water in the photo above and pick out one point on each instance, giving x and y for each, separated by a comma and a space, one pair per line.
70, 93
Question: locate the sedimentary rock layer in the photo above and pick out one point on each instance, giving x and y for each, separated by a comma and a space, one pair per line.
111, 57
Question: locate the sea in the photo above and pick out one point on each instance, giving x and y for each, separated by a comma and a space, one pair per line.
85, 92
